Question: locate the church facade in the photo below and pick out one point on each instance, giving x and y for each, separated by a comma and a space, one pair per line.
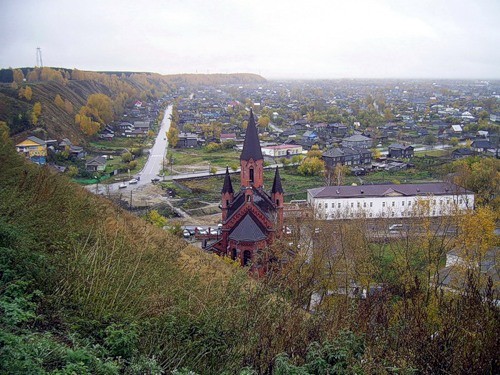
252, 219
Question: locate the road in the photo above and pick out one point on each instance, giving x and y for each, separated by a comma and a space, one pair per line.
154, 164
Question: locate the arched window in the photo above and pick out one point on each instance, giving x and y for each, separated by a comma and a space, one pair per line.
251, 176
247, 257
233, 254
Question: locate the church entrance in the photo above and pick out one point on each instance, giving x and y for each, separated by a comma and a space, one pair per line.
247, 257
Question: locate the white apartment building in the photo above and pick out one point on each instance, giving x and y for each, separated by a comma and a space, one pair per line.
397, 201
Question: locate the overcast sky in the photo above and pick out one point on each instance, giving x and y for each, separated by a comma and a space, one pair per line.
274, 38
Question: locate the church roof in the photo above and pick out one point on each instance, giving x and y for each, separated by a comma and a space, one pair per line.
248, 230
277, 188
228, 186
251, 146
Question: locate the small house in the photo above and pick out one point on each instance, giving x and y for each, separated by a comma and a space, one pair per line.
34, 149
97, 164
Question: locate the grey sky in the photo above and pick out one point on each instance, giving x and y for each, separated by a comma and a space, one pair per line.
276, 38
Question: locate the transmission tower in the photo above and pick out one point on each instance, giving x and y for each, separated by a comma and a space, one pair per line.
39, 61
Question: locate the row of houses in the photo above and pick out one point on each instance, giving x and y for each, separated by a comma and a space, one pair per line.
35, 149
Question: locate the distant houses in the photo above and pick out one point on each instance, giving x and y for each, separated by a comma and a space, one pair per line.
34, 149
188, 140
97, 164
280, 151
399, 151
357, 141
350, 156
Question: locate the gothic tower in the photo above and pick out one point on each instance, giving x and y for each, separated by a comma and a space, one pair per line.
251, 218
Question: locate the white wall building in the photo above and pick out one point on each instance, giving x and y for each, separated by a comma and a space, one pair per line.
397, 201
281, 150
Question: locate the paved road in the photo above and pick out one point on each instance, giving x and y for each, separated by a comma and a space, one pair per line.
154, 164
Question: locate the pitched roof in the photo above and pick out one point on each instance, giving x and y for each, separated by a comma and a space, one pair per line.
98, 160
437, 188
228, 186
251, 146
36, 140
399, 146
357, 138
247, 230
277, 188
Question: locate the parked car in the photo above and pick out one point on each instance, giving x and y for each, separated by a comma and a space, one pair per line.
155, 180
201, 230
123, 185
186, 233
133, 181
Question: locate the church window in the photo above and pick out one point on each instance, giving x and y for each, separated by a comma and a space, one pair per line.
248, 198
227, 203
277, 202
233, 254
251, 175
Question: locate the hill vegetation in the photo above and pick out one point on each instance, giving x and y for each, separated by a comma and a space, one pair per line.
61, 93
88, 288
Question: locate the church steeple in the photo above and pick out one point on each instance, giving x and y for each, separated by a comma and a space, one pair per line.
227, 194
228, 186
277, 188
251, 159
251, 146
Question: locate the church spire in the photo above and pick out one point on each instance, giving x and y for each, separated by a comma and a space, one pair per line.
251, 146
228, 186
277, 188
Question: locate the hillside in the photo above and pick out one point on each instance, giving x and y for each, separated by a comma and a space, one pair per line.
87, 287
75, 86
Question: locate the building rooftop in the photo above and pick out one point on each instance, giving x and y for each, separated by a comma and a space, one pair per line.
436, 188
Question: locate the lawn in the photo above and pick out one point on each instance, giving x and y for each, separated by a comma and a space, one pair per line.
118, 143
190, 157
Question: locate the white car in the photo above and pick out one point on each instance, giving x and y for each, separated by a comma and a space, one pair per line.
123, 185
133, 181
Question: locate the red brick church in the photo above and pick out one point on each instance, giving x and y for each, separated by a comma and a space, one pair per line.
251, 218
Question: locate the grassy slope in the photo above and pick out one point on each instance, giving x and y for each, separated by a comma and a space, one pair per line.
104, 265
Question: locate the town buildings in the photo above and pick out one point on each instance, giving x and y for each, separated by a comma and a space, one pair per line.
389, 201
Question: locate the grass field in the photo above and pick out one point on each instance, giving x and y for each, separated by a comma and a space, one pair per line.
188, 157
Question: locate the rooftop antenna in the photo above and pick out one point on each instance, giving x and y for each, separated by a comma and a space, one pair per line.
39, 61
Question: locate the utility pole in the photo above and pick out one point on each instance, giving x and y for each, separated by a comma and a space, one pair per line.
39, 61
130, 200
